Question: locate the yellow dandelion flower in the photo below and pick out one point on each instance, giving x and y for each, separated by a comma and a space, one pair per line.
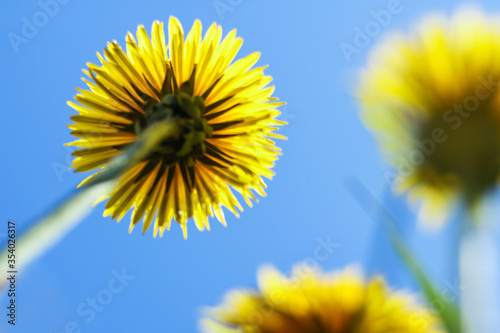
431, 97
309, 301
222, 111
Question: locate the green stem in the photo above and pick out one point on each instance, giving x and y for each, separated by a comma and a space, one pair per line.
479, 275
449, 313
47, 231
140, 149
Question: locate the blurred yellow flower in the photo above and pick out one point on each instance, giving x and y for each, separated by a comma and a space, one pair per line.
309, 301
223, 112
431, 98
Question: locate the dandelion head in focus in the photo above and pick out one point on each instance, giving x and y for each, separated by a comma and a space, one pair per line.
223, 111
431, 97
310, 301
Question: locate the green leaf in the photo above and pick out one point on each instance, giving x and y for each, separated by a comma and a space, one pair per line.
449, 313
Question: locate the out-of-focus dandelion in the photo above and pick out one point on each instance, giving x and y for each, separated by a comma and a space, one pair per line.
309, 301
222, 119
431, 98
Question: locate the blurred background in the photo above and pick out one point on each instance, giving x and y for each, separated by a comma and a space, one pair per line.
100, 278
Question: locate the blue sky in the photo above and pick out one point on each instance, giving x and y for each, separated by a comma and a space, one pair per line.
163, 283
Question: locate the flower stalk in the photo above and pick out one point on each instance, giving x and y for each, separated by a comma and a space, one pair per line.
480, 276
50, 229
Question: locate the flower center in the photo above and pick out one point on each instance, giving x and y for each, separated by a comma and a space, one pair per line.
469, 150
187, 113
